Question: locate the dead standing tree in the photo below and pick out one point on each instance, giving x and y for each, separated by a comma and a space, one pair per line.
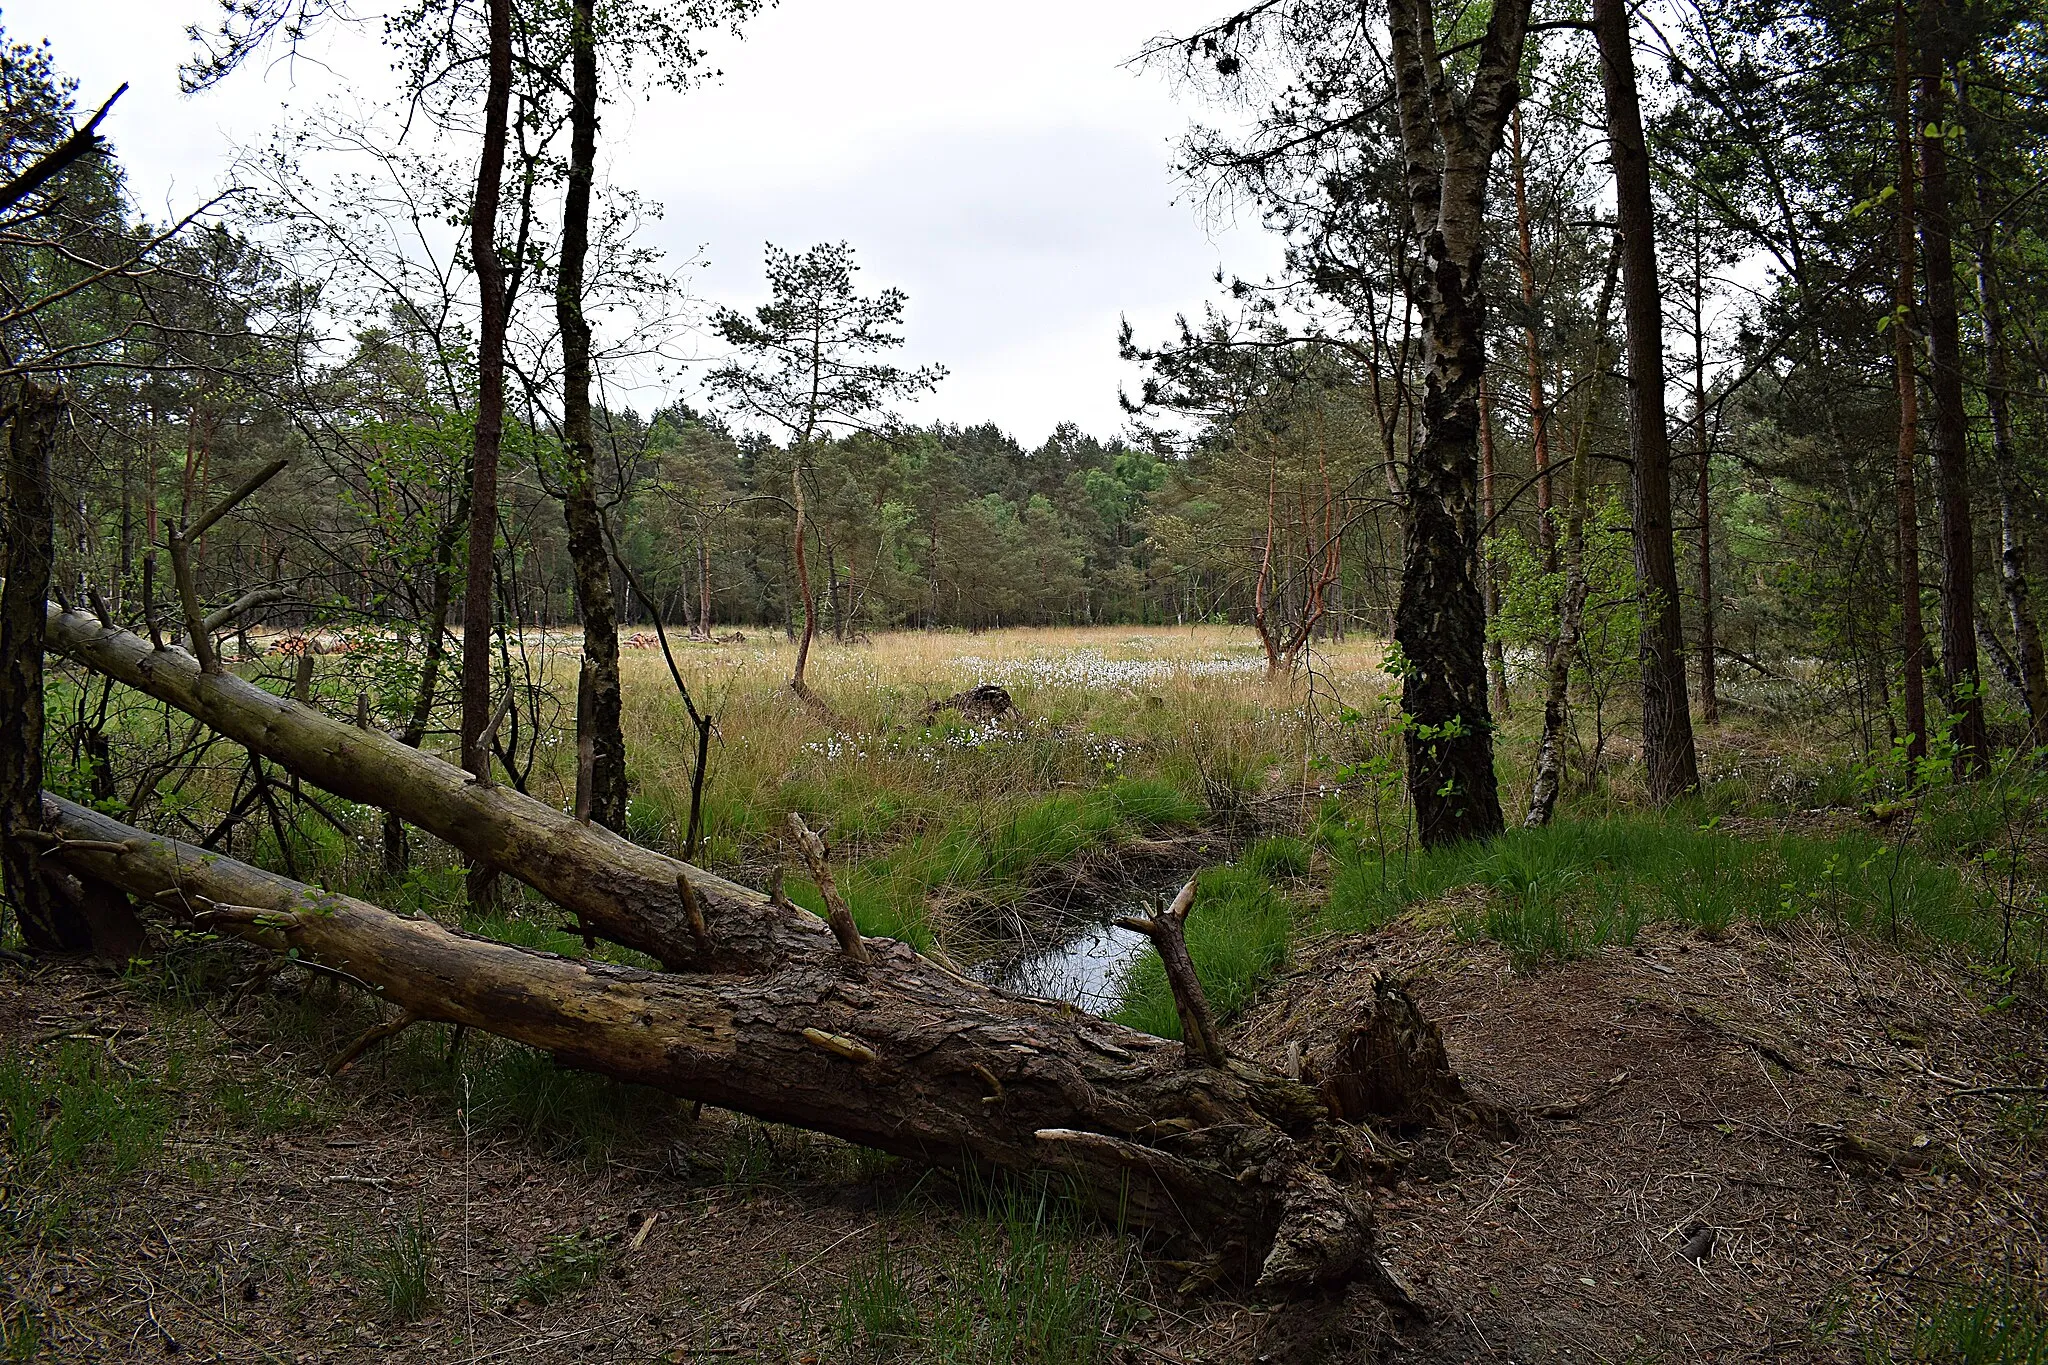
761, 1007
1282, 633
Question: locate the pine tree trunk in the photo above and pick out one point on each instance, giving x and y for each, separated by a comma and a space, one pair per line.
36, 416
595, 603
1950, 447
1669, 755
766, 1010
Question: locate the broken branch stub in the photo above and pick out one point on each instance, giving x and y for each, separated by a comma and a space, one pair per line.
837, 915
1168, 932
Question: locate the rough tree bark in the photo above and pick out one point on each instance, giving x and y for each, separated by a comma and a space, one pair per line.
1950, 446
1669, 756
35, 418
1905, 477
600, 711
1448, 140
55, 913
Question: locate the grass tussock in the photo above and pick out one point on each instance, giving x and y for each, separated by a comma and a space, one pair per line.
1990, 1323
1023, 1285
1573, 887
79, 1111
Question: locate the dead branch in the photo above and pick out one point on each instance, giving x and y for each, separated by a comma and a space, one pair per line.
1168, 932
836, 912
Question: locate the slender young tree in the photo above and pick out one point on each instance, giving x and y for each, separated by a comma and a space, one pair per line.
802, 364
630, 29
2027, 660
1548, 779
1532, 348
598, 714
479, 592
1669, 755
1904, 322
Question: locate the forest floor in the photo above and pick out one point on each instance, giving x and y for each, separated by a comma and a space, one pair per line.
1778, 1069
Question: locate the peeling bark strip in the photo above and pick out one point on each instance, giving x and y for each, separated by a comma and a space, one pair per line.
1448, 139
899, 1055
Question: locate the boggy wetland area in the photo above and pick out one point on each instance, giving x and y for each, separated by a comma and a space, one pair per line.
1755, 1076
852, 682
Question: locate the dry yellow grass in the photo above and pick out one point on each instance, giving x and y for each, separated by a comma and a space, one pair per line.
1113, 697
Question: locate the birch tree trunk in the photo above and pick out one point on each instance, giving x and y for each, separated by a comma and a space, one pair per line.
1448, 140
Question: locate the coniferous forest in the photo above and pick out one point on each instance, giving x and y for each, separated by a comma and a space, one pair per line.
1497, 812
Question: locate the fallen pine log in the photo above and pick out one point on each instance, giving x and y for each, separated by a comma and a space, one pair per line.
897, 1054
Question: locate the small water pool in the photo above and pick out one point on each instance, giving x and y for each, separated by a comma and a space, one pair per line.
1085, 968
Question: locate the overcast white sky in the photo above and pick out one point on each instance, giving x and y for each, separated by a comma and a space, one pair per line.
997, 162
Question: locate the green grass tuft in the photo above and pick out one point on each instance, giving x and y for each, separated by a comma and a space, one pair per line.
80, 1112
1022, 1288
1277, 858
1568, 889
401, 1270
1979, 1324
564, 1264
